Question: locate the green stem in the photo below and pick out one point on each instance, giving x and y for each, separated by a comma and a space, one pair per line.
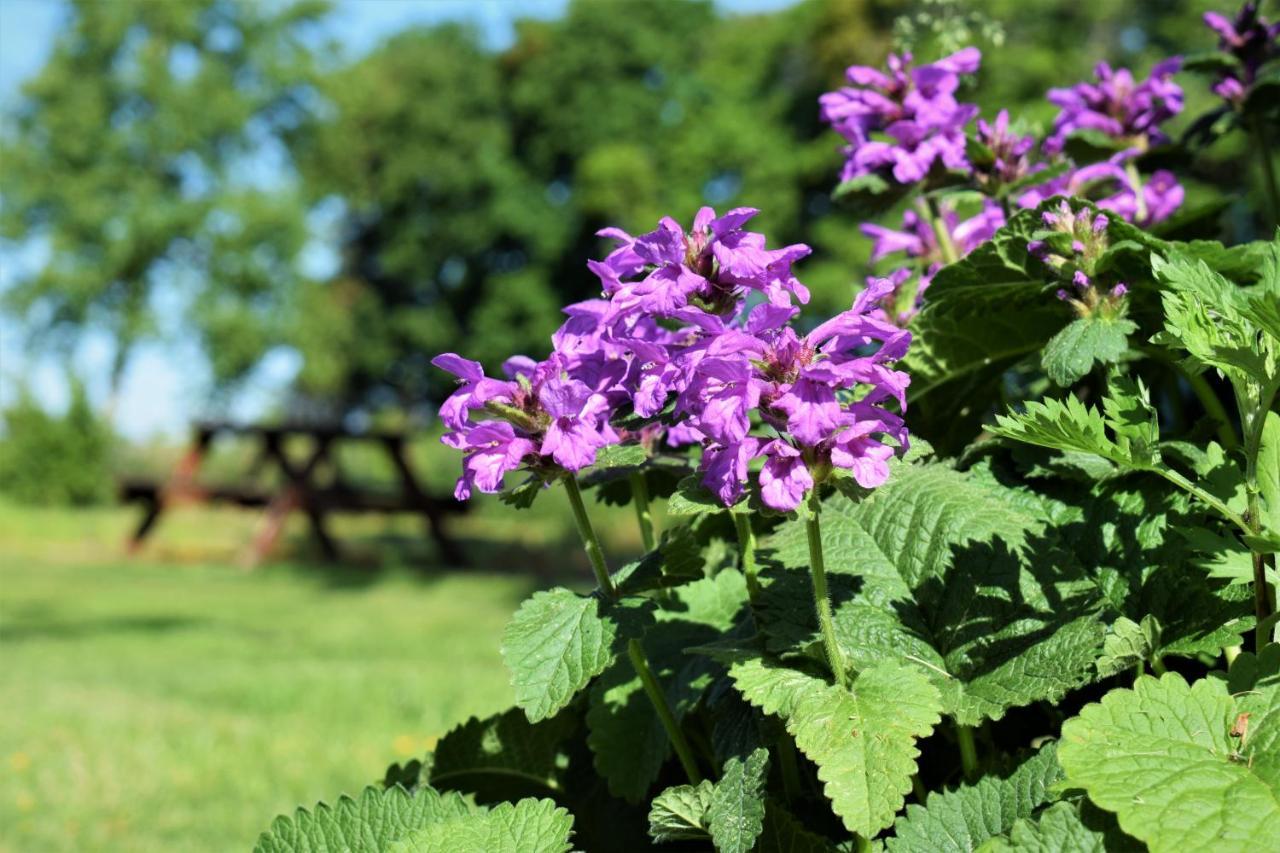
1157, 666
1191, 488
968, 752
861, 844
821, 599
1135, 182
1231, 653
644, 515
591, 543
656, 695
747, 554
1213, 408
940, 230
1268, 169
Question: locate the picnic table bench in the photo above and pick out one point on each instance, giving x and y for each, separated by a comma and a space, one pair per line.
299, 488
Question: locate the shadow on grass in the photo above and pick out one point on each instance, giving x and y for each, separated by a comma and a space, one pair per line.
26, 626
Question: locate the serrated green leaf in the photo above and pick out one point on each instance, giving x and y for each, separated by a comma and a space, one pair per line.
503, 756
529, 826
1065, 828
368, 824
959, 820
949, 572
680, 813
1268, 467
1162, 756
736, 814
863, 739
1070, 425
556, 643
1128, 644
1071, 353
613, 462
1255, 672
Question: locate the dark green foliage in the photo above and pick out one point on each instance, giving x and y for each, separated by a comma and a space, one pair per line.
56, 459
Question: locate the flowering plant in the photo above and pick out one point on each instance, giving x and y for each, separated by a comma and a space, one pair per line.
917, 559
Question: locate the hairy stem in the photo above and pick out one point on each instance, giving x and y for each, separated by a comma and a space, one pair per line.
821, 599
945, 244
968, 752
1191, 488
635, 651
644, 515
1135, 182
656, 695
747, 554
590, 542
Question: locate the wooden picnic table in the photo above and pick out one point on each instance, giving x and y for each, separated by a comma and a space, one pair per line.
299, 488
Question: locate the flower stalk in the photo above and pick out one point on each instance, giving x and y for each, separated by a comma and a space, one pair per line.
747, 554
635, 651
821, 597
644, 513
968, 752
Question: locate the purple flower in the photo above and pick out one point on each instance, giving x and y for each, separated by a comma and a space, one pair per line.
1009, 150
725, 468
578, 424
1115, 188
1250, 40
784, 479
918, 241
490, 449
1118, 106
712, 266
903, 121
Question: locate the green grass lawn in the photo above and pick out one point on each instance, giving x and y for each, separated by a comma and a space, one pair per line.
175, 702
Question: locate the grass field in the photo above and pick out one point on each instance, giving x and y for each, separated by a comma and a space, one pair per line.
175, 702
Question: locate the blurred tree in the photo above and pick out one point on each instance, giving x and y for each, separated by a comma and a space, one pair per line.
145, 158
55, 459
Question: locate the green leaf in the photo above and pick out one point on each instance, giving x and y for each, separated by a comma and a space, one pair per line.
736, 814
680, 813
503, 756
867, 196
1070, 425
1128, 644
1268, 467
1065, 828
959, 820
529, 826
693, 498
368, 824
949, 572
556, 643
1163, 758
1072, 352
863, 739
613, 462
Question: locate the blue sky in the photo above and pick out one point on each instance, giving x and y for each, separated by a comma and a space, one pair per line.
165, 384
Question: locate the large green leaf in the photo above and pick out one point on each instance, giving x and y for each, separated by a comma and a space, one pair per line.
1171, 760
529, 826
959, 820
1065, 828
863, 739
557, 642
949, 572
504, 756
367, 824
736, 812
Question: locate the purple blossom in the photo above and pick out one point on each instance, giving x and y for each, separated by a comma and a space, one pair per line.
1251, 40
1009, 150
1080, 238
1115, 188
1118, 106
712, 267
903, 121
919, 242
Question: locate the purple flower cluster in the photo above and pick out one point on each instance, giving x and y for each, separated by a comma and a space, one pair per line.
1072, 244
1251, 41
1122, 191
1010, 152
1118, 106
700, 321
918, 241
903, 121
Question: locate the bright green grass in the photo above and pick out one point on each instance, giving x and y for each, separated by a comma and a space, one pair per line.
178, 703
